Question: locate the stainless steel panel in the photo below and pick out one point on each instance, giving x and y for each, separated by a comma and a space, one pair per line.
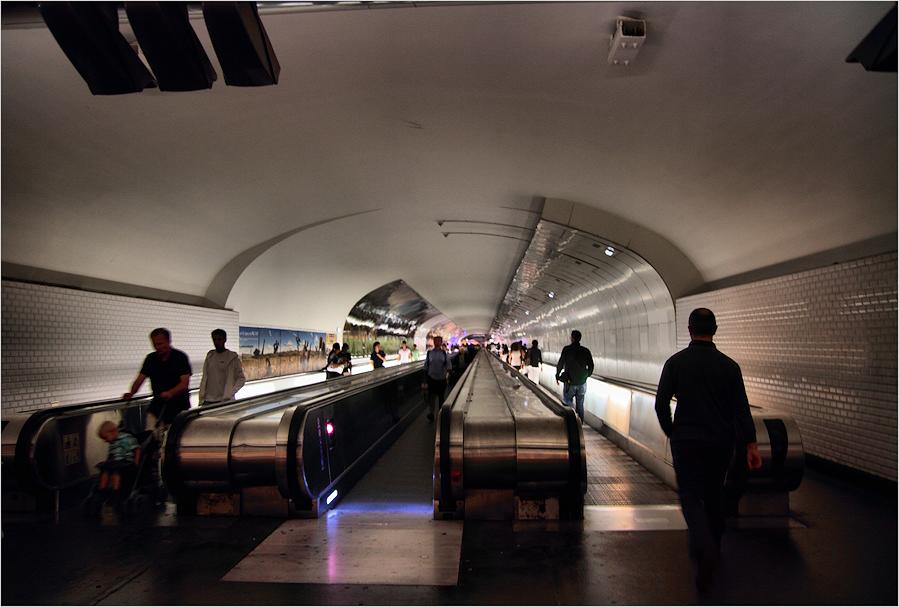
10, 438
457, 430
644, 424
253, 452
542, 454
62, 447
783, 465
245, 444
512, 440
490, 454
202, 454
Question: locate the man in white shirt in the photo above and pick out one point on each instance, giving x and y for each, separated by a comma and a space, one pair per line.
405, 353
222, 373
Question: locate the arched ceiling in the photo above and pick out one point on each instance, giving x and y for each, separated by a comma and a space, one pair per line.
418, 144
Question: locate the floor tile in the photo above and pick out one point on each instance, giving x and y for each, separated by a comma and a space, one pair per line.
633, 518
357, 548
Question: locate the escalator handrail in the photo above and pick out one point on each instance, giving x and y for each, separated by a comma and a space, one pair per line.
24, 466
577, 471
446, 417
294, 411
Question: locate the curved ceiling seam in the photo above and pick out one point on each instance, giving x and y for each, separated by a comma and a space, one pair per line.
448, 234
220, 287
677, 271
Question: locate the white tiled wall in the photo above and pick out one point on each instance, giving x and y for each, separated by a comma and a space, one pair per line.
70, 346
821, 346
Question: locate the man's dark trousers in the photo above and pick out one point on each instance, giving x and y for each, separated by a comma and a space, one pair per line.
701, 468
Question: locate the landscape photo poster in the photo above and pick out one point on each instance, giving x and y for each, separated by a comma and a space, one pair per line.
267, 352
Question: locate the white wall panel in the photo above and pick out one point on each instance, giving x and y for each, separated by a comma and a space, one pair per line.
68, 346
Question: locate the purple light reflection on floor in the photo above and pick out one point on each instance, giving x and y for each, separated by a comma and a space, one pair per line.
400, 508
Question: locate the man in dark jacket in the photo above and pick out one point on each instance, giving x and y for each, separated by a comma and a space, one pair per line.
534, 362
574, 367
712, 413
438, 368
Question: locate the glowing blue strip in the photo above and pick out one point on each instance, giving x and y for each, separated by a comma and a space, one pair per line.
332, 497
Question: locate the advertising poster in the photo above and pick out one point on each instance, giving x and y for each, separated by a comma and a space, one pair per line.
267, 352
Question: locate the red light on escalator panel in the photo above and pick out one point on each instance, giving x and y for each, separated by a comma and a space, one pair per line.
456, 476
330, 435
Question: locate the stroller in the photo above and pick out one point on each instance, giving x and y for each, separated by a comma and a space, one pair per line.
141, 485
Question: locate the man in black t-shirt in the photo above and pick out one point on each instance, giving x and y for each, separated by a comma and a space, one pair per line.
169, 372
377, 356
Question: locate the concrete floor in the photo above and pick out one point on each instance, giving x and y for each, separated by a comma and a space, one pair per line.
843, 552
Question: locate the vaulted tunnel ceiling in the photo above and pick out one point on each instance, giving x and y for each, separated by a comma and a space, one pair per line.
740, 134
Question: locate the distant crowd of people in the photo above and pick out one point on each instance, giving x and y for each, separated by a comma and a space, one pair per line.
519, 356
340, 360
574, 367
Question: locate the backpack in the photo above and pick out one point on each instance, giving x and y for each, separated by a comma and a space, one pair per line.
576, 366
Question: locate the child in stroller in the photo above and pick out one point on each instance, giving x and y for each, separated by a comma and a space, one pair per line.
121, 464
129, 472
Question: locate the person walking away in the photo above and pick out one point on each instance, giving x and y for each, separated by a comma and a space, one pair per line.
462, 360
535, 362
515, 356
169, 372
223, 374
712, 414
438, 368
377, 357
574, 367
404, 354
334, 367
